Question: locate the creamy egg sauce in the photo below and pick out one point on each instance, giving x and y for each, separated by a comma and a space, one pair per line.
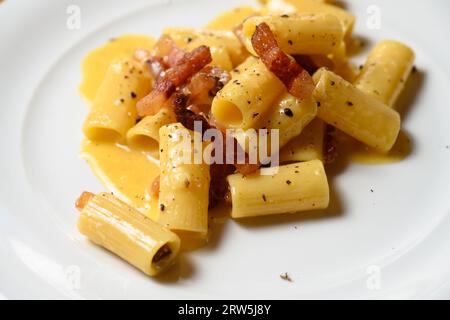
359, 153
96, 63
126, 172
129, 173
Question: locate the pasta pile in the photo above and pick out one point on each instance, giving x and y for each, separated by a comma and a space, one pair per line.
282, 68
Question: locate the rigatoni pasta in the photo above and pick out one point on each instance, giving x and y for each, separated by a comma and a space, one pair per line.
248, 97
114, 225
346, 19
295, 187
307, 146
113, 111
290, 116
212, 38
386, 70
145, 134
221, 58
184, 186
359, 115
315, 34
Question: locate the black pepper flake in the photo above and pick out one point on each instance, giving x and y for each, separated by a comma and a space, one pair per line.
264, 197
333, 83
296, 171
162, 150
371, 190
290, 42
285, 16
414, 69
133, 95
350, 104
249, 102
122, 100
318, 104
255, 115
288, 182
288, 112
162, 207
189, 40
361, 67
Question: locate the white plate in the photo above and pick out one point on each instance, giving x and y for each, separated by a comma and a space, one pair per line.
392, 243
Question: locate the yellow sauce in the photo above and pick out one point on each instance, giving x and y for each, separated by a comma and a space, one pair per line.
126, 172
359, 153
231, 19
96, 63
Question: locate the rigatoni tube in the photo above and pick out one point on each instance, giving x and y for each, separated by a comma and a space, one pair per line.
386, 70
113, 111
248, 97
290, 116
294, 188
299, 34
114, 225
354, 112
190, 38
145, 134
346, 19
184, 185
307, 146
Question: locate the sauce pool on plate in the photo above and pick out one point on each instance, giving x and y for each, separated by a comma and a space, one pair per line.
127, 172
